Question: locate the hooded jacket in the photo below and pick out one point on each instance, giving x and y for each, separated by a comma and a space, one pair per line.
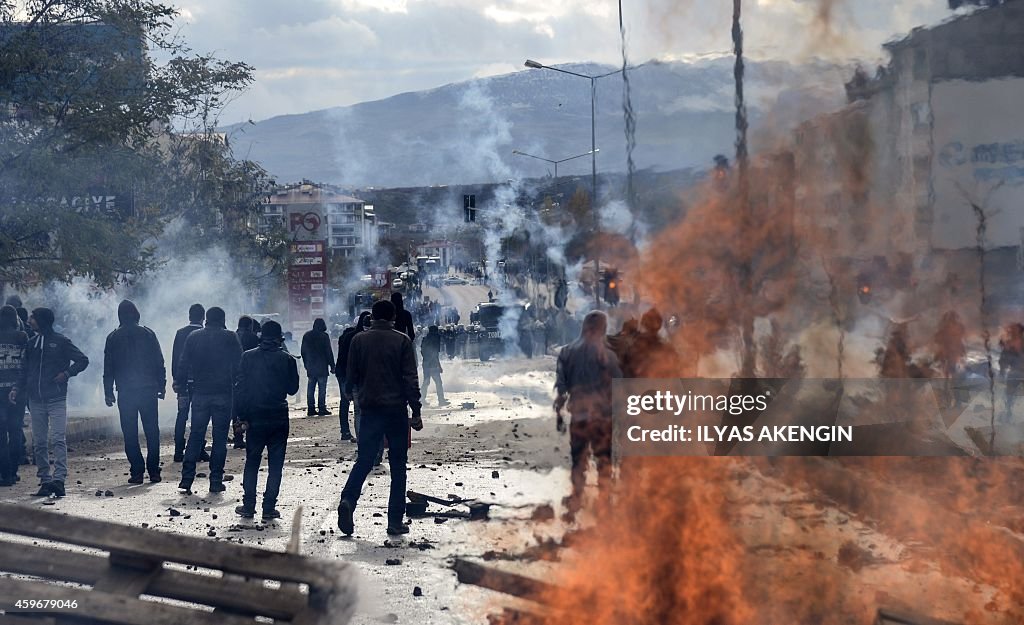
430, 350
345, 343
317, 354
177, 350
210, 360
382, 364
49, 354
267, 375
132, 358
403, 318
245, 334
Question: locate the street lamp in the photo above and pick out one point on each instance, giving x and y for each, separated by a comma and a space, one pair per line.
556, 162
593, 154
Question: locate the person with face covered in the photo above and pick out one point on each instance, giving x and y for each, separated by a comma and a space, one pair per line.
318, 359
134, 364
210, 359
196, 317
247, 333
51, 360
340, 367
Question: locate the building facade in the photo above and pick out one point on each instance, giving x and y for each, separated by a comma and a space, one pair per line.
315, 212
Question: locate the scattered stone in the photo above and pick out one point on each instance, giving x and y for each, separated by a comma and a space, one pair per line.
200, 475
211, 533
99, 493
108, 493
494, 474
417, 591
173, 512
543, 513
393, 561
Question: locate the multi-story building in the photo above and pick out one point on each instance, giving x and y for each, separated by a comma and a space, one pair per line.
316, 212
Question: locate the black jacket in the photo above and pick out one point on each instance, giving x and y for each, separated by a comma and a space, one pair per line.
317, 354
177, 350
13, 344
266, 376
132, 358
430, 350
382, 365
210, 359
584, 372
49, 354
403, 323
344, 344
248, 339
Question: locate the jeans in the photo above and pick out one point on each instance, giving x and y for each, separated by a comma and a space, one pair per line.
11, 446
375, 426
49, 431
272, 434
312, 384
181, 424
343, 409
435, 375
586, 437
133, 406
207, 408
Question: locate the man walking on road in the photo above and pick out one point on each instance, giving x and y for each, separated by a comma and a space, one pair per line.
318, 358
133, 361
267, 375
382, 364
246, 333
403, 318
344, 343
196, 316
210, 360
430, 350
583, 381
52, 359
13, 343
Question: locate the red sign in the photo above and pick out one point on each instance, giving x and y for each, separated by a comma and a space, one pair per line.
307, 283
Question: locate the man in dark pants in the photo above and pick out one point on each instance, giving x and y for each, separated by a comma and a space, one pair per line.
344, 342
430, 350
196, 316
246, 333
266, 377
583, 380
13, 343
403, 318
210, 360
133, 361
51, 360
318, 358
382, 363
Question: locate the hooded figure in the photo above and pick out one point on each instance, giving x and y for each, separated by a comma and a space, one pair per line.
403, 318
344, 342
51, 360
13, 343
266, 376
318, 358
134, 363
246, 334
430, 352
649, 355
196, 316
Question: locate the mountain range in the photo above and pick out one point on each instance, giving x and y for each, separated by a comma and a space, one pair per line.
466, 132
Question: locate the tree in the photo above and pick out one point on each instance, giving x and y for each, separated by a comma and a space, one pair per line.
101, 146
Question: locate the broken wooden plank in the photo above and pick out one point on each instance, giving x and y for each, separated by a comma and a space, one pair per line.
888, 616
146, 543
502, 581
13, 619
414, 496
238, 596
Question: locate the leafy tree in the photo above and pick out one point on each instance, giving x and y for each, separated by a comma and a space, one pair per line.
102, 145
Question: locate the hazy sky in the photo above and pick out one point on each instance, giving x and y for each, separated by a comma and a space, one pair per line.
314, 54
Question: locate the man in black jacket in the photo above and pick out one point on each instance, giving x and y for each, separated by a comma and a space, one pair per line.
52, 359
196, 316
344, 342
403, 318
132, 360
318, 358
382, 364
430, 350
250, 340
210, 359
13, 343
266, 377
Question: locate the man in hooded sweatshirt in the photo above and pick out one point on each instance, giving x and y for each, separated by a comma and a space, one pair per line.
247, 336
196, 316
267, 375
52, 359
210, 359
318, 358
13, 343
340, 367
134, 363
403, 318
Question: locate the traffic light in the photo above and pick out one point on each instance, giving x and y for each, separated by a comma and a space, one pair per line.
469, 208
611, 287
863, 289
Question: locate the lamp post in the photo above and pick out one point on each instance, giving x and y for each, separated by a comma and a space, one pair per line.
593, 155
556, 162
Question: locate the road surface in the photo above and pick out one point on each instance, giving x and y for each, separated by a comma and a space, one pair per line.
464, 297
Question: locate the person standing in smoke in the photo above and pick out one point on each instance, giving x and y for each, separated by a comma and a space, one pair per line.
132, 361
1011, 365
51, 360
403, 318
382, 364
430, 351
950, 351
247, 336
583, 383
648, 354
318, 358
183, 389
13, 343
340, 367
266, 376
210, 359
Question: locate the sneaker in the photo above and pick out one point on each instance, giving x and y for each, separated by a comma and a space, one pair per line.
325, 413
270, 515
228, 478
245, 513
345, 522
444, 402
57, 488
204, 456
240, 445
135, 479
44, 490
217, 487
310, 412
179, 456
346, 437
398, 530
185, 486
154, 478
